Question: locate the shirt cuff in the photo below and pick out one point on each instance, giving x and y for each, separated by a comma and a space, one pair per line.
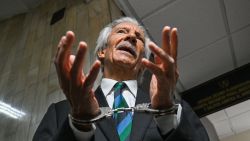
168, 122
80, 135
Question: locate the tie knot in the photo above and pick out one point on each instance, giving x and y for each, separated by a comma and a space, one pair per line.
119, 86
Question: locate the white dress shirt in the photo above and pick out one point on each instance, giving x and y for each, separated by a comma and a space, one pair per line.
165, 123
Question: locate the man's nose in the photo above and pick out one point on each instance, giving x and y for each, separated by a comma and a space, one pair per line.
131, 38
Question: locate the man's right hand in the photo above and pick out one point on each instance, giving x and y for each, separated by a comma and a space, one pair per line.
77, 87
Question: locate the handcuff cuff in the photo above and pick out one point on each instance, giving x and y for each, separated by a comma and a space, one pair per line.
107, 112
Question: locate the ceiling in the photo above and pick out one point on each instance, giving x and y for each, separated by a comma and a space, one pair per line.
213, 39
9, 8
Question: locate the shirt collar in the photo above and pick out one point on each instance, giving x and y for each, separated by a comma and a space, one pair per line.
107, 85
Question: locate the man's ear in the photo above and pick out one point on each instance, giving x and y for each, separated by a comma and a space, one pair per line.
101, 54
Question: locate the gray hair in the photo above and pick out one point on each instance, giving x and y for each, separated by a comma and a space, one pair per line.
102, 40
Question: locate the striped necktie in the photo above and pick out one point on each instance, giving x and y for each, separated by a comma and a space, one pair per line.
123, 120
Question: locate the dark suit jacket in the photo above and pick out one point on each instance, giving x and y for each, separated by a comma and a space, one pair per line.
55, 124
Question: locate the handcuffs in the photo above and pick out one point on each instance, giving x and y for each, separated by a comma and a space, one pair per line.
107, 112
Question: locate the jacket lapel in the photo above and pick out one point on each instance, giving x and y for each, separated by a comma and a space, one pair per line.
140, 120
107, 126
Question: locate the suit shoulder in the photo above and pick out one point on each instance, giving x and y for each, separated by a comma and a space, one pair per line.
62, 103
62, 108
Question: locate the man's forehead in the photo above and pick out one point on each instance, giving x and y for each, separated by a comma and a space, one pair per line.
129, 25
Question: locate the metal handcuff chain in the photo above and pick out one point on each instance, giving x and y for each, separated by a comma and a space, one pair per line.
107, 112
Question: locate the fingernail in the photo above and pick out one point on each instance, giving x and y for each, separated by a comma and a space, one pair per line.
167, 27
83, 43
64, 39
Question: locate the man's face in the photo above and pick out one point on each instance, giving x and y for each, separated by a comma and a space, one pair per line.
125, 46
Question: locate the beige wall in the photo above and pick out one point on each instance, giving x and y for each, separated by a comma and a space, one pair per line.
244, 136
28, 43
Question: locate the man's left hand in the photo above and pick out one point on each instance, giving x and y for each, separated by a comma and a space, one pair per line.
164, 69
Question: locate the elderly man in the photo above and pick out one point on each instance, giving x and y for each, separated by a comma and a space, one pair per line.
122, 49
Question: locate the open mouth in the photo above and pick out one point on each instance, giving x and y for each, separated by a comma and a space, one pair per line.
127, 47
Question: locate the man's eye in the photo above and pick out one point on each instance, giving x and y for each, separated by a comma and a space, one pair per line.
138, 36
121, 31
141, 39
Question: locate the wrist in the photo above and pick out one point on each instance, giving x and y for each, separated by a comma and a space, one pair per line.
163, 104
85, 121
86, 115
84, 127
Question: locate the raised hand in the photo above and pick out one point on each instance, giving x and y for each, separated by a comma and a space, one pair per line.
77, 87
164, 69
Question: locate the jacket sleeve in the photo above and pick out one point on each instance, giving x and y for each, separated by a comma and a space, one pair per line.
47, 127
54, 126
190, 127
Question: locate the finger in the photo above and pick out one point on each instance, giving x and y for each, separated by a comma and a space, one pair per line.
164, 57
174, 50
174, 44
71, 62
65, 47
176, 75
157, 60
56, 62
72, 59
76, 71
165, 39
91, 77
59, 46
153, 68
167, 62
